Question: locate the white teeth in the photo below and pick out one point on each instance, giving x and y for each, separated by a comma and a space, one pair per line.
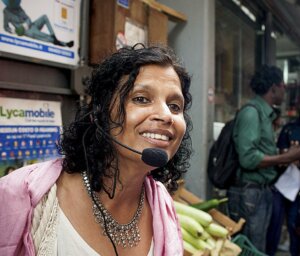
155, 136
164, 137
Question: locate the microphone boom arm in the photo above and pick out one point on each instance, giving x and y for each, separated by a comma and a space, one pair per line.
119, 143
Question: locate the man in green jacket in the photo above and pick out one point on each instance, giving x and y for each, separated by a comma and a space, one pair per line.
250, 197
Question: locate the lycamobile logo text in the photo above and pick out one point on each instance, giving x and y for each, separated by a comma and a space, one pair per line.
9, 113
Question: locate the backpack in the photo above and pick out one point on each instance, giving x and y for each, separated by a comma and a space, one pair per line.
223, 160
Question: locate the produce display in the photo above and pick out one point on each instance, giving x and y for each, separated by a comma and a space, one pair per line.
200, 233
210, 204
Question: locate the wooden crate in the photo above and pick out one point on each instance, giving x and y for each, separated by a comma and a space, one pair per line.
205, 253
184, 196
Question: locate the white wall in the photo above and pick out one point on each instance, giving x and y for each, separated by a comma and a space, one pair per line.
194, 42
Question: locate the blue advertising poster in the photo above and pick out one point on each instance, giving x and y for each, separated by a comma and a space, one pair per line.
29, 130
44, 29
124, 3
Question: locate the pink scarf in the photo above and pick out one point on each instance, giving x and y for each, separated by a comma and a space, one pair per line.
21, 191
166, 229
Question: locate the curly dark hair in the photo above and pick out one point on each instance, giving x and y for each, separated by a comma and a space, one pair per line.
264, 78
88, 146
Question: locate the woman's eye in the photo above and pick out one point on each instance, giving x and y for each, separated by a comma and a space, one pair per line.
175, 108
140, 99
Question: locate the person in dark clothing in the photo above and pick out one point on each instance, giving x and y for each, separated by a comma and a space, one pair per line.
283, 207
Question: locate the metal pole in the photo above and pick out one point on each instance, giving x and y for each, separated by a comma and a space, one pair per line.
84, 32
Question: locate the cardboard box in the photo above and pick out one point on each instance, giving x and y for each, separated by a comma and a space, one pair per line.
108, 19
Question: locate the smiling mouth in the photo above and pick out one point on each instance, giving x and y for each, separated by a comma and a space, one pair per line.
155, 136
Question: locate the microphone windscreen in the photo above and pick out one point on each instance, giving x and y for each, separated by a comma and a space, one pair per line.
155, 157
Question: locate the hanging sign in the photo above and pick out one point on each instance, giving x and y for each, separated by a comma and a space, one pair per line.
44, 29
29, 129
123, 3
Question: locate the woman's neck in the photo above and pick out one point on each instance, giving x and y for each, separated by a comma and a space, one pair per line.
128, 187
126, 199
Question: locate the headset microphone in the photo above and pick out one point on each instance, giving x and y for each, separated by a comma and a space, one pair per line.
155, 157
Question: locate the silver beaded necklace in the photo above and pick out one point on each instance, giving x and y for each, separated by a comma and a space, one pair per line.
125, 235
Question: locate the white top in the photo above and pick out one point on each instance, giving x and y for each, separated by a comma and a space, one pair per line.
69, 242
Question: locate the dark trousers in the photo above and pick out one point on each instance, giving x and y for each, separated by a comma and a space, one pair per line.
254, 204
283, 208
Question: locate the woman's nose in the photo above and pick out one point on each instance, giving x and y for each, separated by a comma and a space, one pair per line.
163, 114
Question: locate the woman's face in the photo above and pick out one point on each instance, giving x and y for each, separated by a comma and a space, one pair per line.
154, 113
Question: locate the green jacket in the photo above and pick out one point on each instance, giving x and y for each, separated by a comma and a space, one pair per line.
254, 137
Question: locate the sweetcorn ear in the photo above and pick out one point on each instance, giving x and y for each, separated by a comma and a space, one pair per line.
217, 230
211, 242
189, 248
202, 217
190, 225
196, 242
205, 235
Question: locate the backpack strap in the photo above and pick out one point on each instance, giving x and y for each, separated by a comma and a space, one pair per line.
248, 105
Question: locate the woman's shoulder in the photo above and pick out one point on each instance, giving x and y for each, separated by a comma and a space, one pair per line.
15, 182
20, 191
28, 181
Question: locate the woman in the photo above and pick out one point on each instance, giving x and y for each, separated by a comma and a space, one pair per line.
139, 98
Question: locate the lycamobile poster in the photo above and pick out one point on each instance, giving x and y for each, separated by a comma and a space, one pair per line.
41, 29
29, 130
